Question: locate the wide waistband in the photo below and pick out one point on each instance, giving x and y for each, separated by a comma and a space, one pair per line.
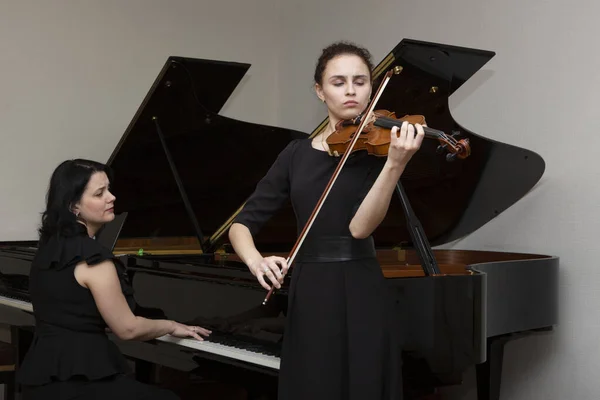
336, 248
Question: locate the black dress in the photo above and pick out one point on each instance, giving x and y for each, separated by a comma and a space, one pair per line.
338, 341
71, 356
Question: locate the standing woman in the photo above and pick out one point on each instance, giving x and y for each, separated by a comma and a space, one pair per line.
337, 343
78, 289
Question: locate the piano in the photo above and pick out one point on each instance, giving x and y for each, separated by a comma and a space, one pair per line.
183, 171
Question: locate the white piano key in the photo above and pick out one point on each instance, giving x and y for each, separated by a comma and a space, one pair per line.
226, 351
20, 304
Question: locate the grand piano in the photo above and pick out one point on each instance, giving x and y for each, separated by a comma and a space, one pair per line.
183, 171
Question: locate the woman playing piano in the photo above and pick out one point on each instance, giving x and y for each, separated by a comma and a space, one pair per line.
338, 342
78, 289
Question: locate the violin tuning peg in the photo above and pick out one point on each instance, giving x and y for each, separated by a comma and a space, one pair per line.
440, 149
450, 157
455, 133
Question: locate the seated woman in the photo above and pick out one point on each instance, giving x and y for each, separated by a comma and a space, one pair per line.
78, 289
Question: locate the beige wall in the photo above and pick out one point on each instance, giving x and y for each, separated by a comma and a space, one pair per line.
73, 74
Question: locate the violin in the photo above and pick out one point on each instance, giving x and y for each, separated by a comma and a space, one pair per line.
375, 137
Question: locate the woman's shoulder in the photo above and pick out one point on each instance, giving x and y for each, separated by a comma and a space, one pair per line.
59, 252
294, 145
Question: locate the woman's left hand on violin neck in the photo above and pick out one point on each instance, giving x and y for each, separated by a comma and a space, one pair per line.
404, 143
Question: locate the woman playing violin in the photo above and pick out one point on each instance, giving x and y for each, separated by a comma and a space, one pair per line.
338, 342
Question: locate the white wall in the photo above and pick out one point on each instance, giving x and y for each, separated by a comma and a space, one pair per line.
540, 92
74, 73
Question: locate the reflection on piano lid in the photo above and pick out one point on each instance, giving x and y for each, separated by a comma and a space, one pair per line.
219, 160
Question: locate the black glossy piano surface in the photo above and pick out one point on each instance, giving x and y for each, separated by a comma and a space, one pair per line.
182, 171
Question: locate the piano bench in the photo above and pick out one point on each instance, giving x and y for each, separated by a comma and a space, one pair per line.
7, 369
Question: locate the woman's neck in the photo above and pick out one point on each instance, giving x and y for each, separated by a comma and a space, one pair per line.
333, 121
91, 229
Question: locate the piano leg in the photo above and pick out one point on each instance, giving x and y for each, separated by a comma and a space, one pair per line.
21, 339
489, 373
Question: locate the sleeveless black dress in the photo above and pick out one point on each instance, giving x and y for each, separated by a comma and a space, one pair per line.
339, 341
71, 355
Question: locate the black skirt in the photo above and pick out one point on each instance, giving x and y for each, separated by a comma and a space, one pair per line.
340, 338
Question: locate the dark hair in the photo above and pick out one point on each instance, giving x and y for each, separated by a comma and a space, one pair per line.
338, 49
67, 185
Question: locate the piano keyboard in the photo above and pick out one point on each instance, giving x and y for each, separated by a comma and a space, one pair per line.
266, 360
237, 353
15, 303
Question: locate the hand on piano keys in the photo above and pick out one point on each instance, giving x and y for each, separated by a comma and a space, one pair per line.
184, 331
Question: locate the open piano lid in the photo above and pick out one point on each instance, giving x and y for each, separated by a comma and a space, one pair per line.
220, 160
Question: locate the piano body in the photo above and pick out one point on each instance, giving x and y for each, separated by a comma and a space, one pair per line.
182, 172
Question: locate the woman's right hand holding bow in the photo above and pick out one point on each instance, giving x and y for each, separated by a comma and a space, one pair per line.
274, 268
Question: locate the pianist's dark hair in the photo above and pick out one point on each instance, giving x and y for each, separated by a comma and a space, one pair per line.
338, 49
67, 185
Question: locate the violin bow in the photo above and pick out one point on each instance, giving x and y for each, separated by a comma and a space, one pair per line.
308, 225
